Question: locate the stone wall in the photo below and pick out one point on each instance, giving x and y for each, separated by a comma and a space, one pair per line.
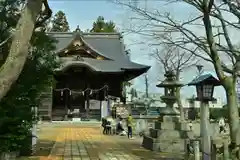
143, 125
214, 129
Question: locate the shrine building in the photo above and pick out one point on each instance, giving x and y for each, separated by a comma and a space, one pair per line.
93, 66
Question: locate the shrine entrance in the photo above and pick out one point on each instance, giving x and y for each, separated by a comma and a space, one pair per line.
81, 93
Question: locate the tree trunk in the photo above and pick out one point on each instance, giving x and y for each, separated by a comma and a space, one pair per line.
178, 96
233, 115
12, 68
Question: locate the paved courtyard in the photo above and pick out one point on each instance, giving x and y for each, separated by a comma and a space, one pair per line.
86, 142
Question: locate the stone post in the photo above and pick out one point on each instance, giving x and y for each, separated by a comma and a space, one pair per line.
45, 108
186, 149
196, 150
205, 134
213, 151
225, 150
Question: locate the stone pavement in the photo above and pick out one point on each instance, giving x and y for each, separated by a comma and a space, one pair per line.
83, 142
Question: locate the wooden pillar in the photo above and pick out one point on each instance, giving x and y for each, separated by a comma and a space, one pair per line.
108, 107
66, 105
66, 96
82, 109
101, 108
88, 104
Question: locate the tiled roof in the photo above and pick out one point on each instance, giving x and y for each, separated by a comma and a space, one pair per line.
107, 44
203, 78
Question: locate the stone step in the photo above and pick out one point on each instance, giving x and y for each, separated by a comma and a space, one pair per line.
169, 146
150, 143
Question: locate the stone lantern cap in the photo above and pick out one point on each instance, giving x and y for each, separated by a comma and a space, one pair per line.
205, 79
170, 81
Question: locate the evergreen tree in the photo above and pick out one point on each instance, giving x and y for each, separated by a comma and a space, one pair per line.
102, 26
60, 23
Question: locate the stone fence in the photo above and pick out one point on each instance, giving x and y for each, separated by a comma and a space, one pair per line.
219, 149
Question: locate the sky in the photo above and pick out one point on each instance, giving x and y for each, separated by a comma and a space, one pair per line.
85, 12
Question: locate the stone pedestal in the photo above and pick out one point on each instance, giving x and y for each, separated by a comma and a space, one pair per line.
167, 135
45, 108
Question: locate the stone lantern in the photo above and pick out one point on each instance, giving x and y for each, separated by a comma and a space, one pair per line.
168, 133
205, 86
170, 85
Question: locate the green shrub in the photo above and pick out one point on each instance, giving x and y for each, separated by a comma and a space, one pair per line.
216, 113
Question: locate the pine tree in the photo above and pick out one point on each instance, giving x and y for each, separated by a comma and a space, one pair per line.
60, 23
110, 27
100, 25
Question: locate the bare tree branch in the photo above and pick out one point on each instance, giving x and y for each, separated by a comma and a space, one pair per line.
212, 42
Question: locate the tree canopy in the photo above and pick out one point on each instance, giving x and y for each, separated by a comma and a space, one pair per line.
60, 23
100, 25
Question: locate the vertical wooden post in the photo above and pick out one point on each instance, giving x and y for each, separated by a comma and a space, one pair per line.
225, 150
66, 105
88, 104
205, 134
186, 149
101, 108
196, 150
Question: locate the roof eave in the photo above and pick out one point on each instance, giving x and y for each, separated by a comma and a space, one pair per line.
135, 72
145, 68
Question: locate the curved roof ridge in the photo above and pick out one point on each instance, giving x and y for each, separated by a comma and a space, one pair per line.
74, 36
92, 48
